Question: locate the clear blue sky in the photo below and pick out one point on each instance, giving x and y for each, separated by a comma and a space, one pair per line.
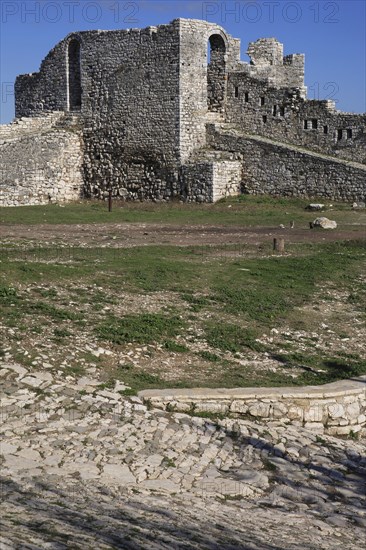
331, 34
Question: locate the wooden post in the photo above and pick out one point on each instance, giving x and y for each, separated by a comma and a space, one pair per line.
279, 245
110, 201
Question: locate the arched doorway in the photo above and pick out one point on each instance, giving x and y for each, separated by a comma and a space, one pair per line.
74, 76
216, 73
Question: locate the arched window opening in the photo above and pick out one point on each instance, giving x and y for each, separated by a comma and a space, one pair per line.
74, 76
216, 73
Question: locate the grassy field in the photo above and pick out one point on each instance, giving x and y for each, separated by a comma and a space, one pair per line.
187, 316
245, 210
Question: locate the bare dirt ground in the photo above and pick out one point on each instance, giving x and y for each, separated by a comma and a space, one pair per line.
139, 234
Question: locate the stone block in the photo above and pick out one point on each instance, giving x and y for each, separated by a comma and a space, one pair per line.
336, 411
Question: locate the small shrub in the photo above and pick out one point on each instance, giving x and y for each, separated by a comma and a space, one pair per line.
209, 356
48, 293
61, 332
268, 465
170, 345
125, 366
8, 295
168, 462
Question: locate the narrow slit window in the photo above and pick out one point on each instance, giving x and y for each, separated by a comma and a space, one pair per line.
305, 124
236, 91
314, 123
74, 75
325, 129
274, 111
246, 97
264, 118
339, 134
282, 111
263, 100
349, 133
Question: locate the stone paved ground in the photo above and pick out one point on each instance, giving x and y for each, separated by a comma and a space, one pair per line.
87, 467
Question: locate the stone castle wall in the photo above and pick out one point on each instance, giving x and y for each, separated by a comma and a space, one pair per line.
128, 105
279, 169
282, 113
145, 98
199, 78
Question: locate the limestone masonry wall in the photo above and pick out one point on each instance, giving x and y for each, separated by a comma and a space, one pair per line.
282, 113
281, 170
145, 100
40, 162
338, 408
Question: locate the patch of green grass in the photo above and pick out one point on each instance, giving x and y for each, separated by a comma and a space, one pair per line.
129, 392
229, 337
233, 294
74, 370
11, 317
108, 385
197, 303
354, 435
269, 288
61, 332
208, 356
140, 380
125, 366
8, 295
48, 293
210, 415
143, 329
49, 310
244, 210
324, 368
170, 345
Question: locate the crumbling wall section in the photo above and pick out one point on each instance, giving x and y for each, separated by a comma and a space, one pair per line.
40, 162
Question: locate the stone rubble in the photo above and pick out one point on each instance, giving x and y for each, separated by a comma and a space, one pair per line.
324, 223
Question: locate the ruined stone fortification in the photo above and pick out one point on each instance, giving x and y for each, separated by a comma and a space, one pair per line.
172, 111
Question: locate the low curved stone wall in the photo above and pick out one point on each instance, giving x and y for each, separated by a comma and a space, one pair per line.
338, 408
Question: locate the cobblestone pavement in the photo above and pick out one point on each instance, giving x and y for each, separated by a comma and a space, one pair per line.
87, 467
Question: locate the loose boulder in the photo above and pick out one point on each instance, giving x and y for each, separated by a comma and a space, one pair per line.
315, 206
324, 223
